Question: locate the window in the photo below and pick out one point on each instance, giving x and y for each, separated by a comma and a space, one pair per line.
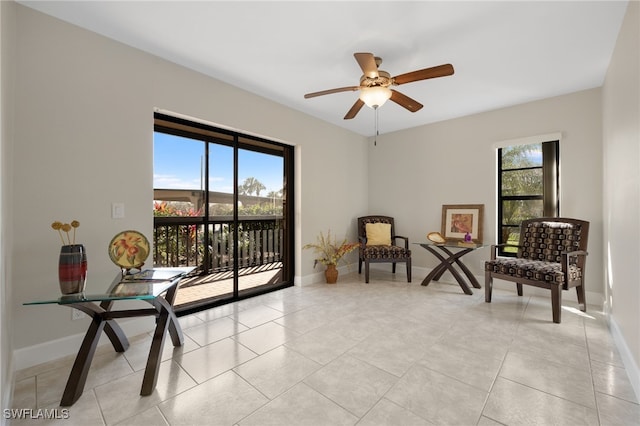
528, 187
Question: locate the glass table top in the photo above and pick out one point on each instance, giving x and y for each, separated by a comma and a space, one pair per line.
143, 285
453, 244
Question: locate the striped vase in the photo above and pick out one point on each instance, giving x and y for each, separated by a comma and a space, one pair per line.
72, 269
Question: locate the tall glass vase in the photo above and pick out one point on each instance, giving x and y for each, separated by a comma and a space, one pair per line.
72, 269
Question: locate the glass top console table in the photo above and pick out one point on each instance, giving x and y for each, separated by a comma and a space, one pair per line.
450, 255
156, 286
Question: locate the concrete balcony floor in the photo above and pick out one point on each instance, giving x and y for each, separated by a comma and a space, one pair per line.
199, 289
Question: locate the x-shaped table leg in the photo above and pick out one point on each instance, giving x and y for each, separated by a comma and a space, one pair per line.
447, 264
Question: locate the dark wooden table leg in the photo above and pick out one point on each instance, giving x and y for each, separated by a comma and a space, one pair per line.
443, 265
472, 279
175, 331
447, 264
155, 352
116, 335
111, 328
457, 258
113, 331
174, 326
78, 376
437, 271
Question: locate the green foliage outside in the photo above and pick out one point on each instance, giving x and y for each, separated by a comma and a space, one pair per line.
262, 209
178, 245
522, 175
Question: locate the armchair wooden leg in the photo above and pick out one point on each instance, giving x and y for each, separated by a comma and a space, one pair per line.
488, 286
556, 302
408, 270
393, 267
359, 266
519, 287
581, 299
366, 271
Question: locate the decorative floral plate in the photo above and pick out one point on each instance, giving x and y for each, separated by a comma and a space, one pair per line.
129, 249
436, 238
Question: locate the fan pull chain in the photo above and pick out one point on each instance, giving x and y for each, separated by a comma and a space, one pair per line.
375, 139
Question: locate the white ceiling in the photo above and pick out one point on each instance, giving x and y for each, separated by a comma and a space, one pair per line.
504, 53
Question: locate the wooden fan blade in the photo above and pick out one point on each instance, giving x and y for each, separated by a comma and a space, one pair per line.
355, 109
433, 72
405, 101
368, 64
330, 91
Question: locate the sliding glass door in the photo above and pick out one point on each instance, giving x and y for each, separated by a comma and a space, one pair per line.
225, 210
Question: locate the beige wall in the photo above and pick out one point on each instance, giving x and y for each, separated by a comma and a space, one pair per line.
454, 162
84, 122
7, 57
621, 112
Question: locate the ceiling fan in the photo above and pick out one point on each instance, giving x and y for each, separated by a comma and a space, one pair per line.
374, 85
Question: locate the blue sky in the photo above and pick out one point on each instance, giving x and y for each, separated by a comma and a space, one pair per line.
177, 164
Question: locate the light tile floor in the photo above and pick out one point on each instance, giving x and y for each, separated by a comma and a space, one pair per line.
384, 353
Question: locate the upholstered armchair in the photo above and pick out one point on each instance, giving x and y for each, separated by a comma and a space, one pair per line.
377, 238
551, 254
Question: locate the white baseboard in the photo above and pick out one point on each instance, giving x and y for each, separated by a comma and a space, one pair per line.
318, 277
627, 357
58, 348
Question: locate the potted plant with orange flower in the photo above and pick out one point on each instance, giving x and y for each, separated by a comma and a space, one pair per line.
330, 253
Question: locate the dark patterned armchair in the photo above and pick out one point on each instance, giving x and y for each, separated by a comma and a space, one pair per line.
552, 255
377, 238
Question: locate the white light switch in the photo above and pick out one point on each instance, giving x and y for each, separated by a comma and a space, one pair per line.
117, 211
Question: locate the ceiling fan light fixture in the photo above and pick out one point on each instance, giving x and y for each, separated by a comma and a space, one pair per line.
374, 85
375, 96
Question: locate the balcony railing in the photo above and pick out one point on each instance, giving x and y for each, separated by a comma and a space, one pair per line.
188, 241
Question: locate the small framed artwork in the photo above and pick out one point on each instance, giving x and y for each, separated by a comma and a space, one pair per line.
458, 219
